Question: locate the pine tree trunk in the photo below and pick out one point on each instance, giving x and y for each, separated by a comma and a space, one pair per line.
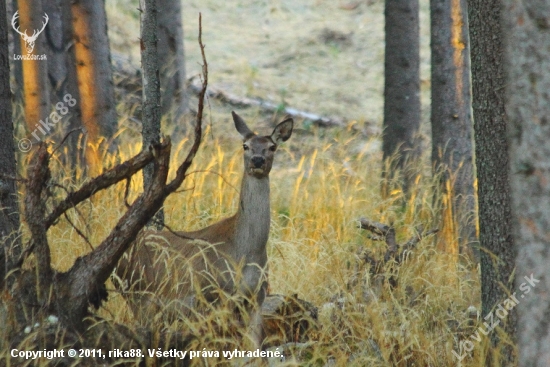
401, 90
62, 75
452, 150
14, 41
171, 52
35, 77
94, 74
497, 253
527, 62
55, 49
151, 88
9, 211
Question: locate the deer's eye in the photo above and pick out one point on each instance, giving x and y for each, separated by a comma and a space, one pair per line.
273, 148
245, 147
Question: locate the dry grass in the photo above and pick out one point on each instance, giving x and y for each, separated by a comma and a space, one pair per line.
320, 185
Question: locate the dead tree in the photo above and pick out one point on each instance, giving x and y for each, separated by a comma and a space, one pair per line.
394, 252
39, 293
151, 89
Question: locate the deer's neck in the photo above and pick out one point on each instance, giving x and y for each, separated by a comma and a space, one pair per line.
253, 220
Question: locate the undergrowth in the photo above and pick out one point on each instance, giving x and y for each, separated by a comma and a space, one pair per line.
322, 182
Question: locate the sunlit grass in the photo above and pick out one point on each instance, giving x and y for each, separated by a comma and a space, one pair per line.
320, 185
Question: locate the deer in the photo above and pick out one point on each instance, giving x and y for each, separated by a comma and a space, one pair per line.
167, 271
29, 40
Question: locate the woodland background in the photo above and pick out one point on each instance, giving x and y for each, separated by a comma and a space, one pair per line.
427, 117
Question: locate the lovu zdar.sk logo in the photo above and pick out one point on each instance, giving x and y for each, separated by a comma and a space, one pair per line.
29, 40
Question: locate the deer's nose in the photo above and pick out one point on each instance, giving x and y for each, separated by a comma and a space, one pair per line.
258, 162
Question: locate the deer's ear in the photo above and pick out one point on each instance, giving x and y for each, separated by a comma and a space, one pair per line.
283, 131
241, 127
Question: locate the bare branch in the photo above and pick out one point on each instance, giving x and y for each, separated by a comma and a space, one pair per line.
38, 174
182, 170
394, 251
375, 227
116, 174
87, 276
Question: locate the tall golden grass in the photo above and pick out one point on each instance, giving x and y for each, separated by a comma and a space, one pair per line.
322, 182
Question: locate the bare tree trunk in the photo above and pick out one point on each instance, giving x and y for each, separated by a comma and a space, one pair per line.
94, 74
39, 292
62, 73
35, 77
452, 149
174, 100
498, 252
16, 67
527, 61
151, 89
401, 91
9, 211
55, 49
74, 119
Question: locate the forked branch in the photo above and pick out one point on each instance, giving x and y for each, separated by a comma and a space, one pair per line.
84, 282
89, 273
111, 177
394, 251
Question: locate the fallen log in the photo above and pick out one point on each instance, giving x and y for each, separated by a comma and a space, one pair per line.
266, 106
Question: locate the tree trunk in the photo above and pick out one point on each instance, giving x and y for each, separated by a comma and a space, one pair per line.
170, 50
9, 211
401, 91
55, 49
62, 74
38, 293
527, 61
75, 156
94, 74
35, 78
497, 253
151, 88
14, 40
452, 151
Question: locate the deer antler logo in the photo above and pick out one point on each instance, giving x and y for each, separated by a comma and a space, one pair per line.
29, 40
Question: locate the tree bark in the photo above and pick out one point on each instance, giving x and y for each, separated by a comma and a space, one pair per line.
35, 72
14, 41
452, 150
526, 27
55, 49
401, 91
151, 89
94, 75
62, 73
170, 49
10, 247
74, 118
497, 253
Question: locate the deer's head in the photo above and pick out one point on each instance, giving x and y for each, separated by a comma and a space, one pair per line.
29, 40
260, 150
